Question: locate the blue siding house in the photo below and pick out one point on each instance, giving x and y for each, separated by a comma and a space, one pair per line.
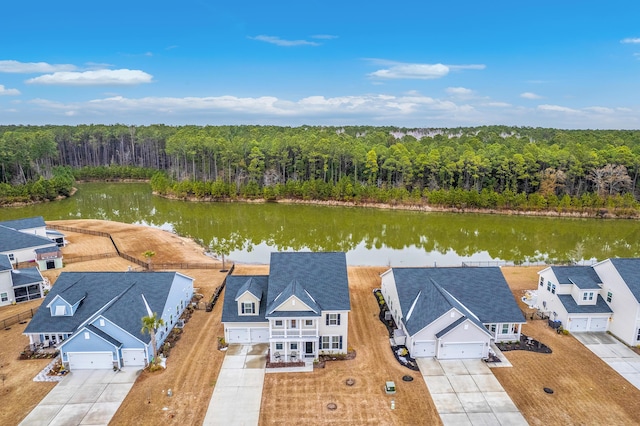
95, 318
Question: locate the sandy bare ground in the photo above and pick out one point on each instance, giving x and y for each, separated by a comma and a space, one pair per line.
587, 391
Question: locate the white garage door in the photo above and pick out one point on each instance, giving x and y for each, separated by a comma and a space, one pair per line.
259, 335
423, 349
133, 357
598, 324
90, 360
578, 324
239, 335
462, 351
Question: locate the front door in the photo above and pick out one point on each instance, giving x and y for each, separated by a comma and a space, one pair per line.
308, 348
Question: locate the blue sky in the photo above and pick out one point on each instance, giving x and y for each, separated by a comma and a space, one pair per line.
565, 64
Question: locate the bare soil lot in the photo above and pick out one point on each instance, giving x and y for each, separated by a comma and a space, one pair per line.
587, 391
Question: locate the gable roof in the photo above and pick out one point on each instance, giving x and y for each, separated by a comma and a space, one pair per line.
323, 275
481, 294
26, 276
115, 295
10, 239
294, 289
26, 223
252, 287
230, 305
584, 277
629, 270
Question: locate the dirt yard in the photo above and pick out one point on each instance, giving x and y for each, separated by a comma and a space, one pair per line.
583, 384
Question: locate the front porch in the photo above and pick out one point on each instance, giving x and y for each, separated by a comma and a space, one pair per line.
293, 351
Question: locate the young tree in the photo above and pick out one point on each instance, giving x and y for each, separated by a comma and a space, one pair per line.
149, 254
150, 324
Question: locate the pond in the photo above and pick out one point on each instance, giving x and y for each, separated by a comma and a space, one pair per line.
249, 232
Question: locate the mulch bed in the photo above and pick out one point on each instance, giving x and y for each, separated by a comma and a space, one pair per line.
525, 344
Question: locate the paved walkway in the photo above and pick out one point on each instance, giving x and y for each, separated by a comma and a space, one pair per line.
84, 397
613, 352
238, 391
466, 392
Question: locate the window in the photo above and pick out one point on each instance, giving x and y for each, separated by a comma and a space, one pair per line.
505, 328
541, 281
638, 336
60, 310
333, 319
609, 296
553, 288
12, 257
101, 322
87, 336
331, 342
294, 324
278, 323
308, 323
548, 285
248, 308
587, 295
4, 297
294, 346
279, 346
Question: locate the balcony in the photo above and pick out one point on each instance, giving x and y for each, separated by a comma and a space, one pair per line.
294, 332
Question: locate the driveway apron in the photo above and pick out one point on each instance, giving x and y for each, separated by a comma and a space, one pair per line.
466, 392
84, 397
237, 394
619, 357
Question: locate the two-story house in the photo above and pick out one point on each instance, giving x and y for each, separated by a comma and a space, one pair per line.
301, 309
572, 295
28, 241
451, 313
18, 285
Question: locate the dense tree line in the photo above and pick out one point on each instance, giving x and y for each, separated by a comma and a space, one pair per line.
546, 167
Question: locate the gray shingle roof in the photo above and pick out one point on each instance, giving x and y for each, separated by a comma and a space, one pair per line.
584, 277
230, 306
480, 291
572, 307
26, 223
118, 293
629, 270
252, 287
104, 335
5, 263
323, 275
451, 326
10, 239
26, 276
294, 289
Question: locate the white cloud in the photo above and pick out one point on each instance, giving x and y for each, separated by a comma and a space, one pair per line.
631, 40
401, 70
600, 110
460, 92
286, 43
558, 108
497, 104
8, 92
121, 77
530, 95
11, 66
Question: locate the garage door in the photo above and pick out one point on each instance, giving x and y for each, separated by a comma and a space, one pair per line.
578, 324
423, 349
90, 360
133, 358
239, 335
259, 335
461, 351
598, 324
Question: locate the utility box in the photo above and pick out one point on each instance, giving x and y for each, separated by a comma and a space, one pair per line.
390, 387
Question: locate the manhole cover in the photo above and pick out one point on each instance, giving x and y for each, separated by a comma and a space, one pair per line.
548, 390
407, 378
332, 406
350, 382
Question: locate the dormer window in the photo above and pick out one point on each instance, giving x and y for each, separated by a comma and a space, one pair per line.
587, 295
61, 310
248, 308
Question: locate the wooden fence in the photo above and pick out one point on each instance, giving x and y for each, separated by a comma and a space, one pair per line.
15, 319
76, 259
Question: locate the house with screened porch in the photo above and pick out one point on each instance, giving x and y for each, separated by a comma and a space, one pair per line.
301, 309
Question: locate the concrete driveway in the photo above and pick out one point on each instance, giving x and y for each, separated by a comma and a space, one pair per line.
619, 357
237, 395
466, 392
84, 397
